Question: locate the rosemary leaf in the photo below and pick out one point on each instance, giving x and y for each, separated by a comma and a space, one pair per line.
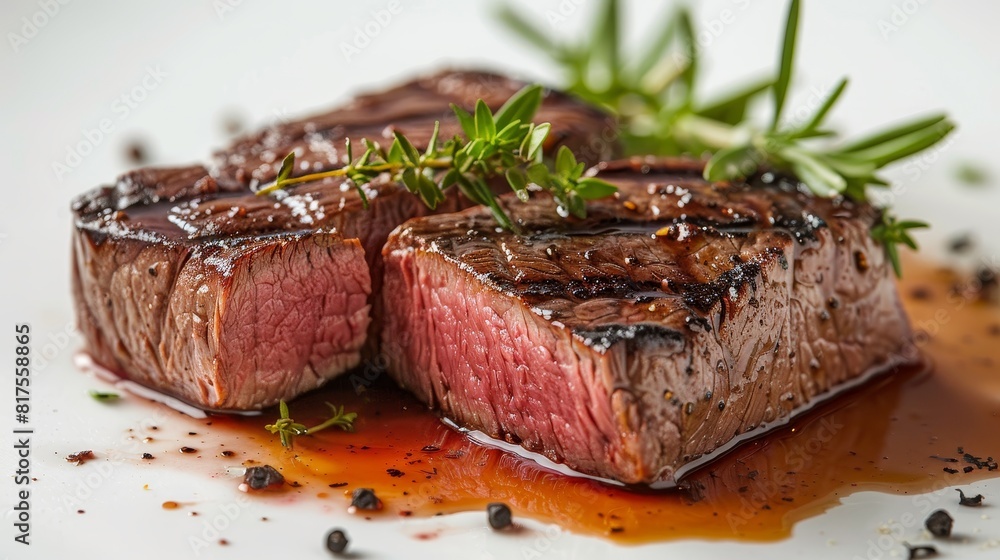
813, 125
731, 109
787, 62
728, 163
658, 44
893, 133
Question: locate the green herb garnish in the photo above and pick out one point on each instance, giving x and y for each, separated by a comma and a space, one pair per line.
892, 233
653, 91
827, 171
104, 396
660, 113
287, 429
506, 143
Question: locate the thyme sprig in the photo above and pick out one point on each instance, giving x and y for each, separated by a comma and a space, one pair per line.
287, 428
506, 143
654, 94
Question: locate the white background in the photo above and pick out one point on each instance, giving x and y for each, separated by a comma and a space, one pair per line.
263, 61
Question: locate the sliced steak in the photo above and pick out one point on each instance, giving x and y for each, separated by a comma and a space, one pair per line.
678, 317
186, 281
235, 321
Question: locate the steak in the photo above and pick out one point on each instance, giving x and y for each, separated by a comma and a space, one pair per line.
184, 280
677, 319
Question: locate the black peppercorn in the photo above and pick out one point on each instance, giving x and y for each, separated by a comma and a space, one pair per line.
939, 523
336, 541
498, 515
258, 478
365, 498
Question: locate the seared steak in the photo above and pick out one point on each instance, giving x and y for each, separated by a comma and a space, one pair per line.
678, 317
186, 281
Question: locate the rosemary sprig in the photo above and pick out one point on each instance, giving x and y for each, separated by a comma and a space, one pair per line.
653, 92
660, 113
287, 429
826, 170
506, 143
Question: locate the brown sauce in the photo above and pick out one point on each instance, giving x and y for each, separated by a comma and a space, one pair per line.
893, 435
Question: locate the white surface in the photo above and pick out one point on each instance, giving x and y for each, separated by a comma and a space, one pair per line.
266, 60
